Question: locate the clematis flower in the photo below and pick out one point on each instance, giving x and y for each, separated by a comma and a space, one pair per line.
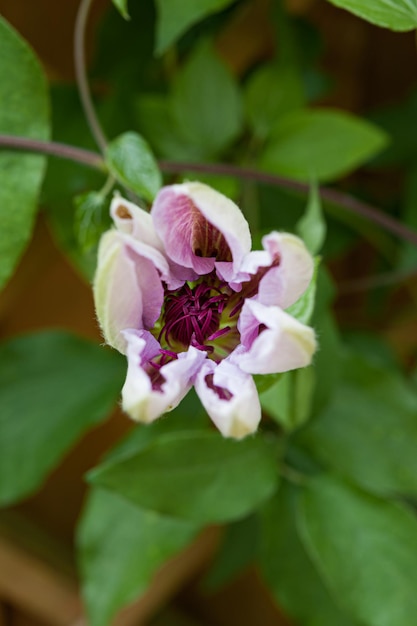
181, 294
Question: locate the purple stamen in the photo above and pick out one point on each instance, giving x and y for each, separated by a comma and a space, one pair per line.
192, 316
219, 333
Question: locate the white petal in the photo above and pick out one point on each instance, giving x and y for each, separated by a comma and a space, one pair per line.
291, 269
141, 399
230, 398
184, 216
127, 288
283, 344
132, 220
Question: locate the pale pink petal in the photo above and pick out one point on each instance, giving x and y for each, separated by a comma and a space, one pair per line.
148, 392
272, 341
201, 228
230, 398
138, 227
132, 220
280, 273
127, 288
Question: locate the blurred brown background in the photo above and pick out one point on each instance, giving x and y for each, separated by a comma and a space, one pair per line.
370, 67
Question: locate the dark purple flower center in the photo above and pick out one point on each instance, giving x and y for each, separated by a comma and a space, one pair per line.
203, 316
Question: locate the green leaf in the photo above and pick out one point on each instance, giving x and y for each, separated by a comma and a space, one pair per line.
393, 14
120, 548
237, 551
131, 161
322, 144
328, 359
65, 179
365, 549
271, 92
176, 16
288, 570
368, 432
91, 218
24, 110
53, 387
121, 6
179, 475
206, 102
289, 401
312, 226
157, 124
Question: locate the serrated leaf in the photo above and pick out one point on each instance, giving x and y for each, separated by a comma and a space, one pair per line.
176, 16
53, 387
206, 102
322, 144
120, 547
132, 163
180, 475
24, 110
393, 14
365, 549
312, 226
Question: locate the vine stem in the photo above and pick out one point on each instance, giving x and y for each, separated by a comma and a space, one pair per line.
338, 198
61, 150
81, 75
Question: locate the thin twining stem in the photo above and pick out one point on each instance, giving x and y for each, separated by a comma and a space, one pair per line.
332, 196
81, 74
61, 150
338, 198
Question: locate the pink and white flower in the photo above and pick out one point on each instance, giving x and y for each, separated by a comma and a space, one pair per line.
181, 294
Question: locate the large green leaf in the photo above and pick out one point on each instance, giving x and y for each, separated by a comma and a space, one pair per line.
237, 551
206, 102
322, 144
24, 110
393, 14
368, 431
120, 547
131, 161
288, 570
176, 16
53, 387
365, 548
271, 92
198, 476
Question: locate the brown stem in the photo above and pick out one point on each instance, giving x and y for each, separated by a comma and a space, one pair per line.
333, 196
81, 74
340, 199
62, 150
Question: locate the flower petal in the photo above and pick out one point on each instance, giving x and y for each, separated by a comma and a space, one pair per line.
148, 392
272, 340
201, 228
230, 398
281, 272
122, 279
132, 220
